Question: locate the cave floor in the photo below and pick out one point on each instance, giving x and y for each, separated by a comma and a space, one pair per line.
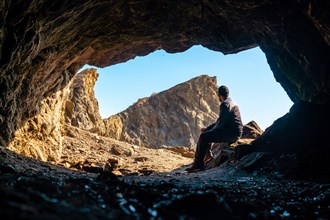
35, 190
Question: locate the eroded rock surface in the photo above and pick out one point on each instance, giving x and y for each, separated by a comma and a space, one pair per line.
42, 136
32, 189
252, 130
170, 118
173, 117
84, 150
81, 108
193, 103
44, 43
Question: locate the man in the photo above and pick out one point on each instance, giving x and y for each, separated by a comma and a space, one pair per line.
227, 128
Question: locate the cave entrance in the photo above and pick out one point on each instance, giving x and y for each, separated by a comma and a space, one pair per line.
247, 74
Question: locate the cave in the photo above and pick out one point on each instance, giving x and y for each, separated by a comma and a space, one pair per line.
44, 43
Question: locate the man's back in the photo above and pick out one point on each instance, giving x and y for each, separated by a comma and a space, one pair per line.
230, 118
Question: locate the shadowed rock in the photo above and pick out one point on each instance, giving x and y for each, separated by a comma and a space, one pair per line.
43, 44
251, 130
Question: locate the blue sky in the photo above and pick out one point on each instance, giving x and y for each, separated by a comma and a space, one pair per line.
247, 74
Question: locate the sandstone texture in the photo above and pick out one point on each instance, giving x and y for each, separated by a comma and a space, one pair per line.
81, 109
93, 153
31, 189
44, 43
170, 118
42, 136
150, 139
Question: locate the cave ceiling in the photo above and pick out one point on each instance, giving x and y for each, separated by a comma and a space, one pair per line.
45, 42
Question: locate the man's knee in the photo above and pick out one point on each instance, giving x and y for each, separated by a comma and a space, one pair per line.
207, 137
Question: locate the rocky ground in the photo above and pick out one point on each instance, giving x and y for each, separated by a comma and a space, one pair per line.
114, 180
91, 152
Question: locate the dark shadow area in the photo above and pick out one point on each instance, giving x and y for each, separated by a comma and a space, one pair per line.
32, 189
44, 43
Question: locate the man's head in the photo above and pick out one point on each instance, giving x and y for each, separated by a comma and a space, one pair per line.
223, 93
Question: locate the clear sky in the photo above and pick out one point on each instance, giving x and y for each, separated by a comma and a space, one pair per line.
247, 74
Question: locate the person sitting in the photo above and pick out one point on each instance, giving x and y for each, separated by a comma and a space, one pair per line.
227, 128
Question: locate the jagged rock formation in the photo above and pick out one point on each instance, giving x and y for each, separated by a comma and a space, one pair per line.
86, 144
43, 44
173, 117
252, 130
41, 136
82, 108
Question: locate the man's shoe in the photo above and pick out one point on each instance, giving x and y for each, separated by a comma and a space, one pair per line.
194, 168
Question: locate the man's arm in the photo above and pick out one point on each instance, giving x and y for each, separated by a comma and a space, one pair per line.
223, 116
209, 127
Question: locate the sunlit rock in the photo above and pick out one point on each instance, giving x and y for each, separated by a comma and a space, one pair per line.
173, 117
81, 108
44, 43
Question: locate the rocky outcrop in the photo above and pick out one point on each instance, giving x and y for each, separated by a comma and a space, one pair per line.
43, 43
42, 136
172, 118
252, 130
82, 109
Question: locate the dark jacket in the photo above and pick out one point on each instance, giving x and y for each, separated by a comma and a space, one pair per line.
229, 121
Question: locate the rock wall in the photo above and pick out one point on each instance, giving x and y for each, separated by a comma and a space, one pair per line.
82, 109
40, 136
170, 118
43, 43
304, 129
173, 117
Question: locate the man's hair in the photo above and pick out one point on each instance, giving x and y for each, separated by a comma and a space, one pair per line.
224, 91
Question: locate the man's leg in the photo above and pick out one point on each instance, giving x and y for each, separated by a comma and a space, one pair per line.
203, 145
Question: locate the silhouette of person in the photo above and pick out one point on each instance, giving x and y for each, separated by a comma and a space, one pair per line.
227, 128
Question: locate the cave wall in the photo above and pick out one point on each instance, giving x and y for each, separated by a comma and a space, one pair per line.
41, 136
43, 43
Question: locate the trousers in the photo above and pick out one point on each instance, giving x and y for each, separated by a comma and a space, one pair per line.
206, 139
